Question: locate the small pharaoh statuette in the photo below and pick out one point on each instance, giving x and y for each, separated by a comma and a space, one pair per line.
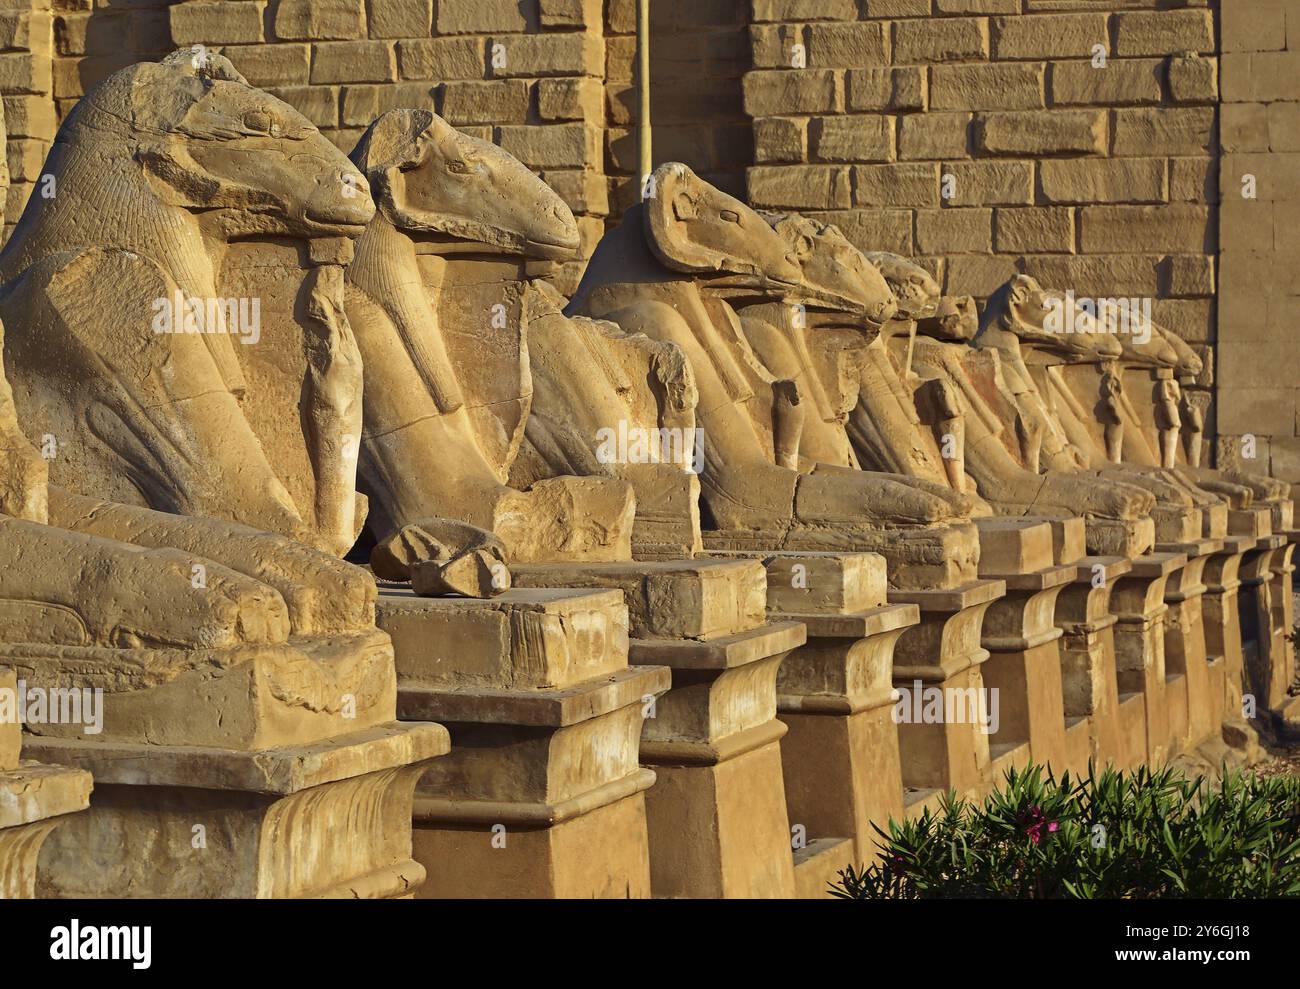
1193, 429
1029, 431
1112, 394
940, 407
788, 412
1168, 421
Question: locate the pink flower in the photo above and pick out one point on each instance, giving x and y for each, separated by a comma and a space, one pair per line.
1033, 821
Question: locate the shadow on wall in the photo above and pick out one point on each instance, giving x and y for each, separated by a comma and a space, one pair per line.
699, 53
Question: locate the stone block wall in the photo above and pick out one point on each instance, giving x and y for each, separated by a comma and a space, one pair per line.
1074, 140
1259, 231
27, 83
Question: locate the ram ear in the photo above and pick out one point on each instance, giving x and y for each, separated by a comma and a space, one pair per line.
798, 234
1020, 288
396, 143
393, 144
673, 201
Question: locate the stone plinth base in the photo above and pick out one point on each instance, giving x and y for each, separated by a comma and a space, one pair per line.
524, 639
1138, 601
717, 814
686, 599
243, 698
1121, 537
939, 556
1254, 522
1089, 684
1023, 642
943, 653
327, 819
542, 795
1186, 653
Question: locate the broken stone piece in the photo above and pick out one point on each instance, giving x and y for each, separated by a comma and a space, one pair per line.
442, 557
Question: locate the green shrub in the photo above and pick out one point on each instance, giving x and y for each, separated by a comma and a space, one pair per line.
1112, 835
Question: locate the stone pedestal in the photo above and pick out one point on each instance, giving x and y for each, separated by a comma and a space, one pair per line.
1219, 606
843, 774
943, 737
835, 695
1138, 601
716, 816
1266, 663
718, 820
323, 819
33, 800
1186, 653
542, 795
1023, 642
1284, 600
256, 770
1089, 681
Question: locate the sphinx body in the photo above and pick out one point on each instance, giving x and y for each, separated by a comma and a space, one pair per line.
157, 609
1016, 326
681, 268
1096, 386
816, 336
459, 343
932, 405
884, 426
1172, 427
610, 403
881, 424
125, 354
